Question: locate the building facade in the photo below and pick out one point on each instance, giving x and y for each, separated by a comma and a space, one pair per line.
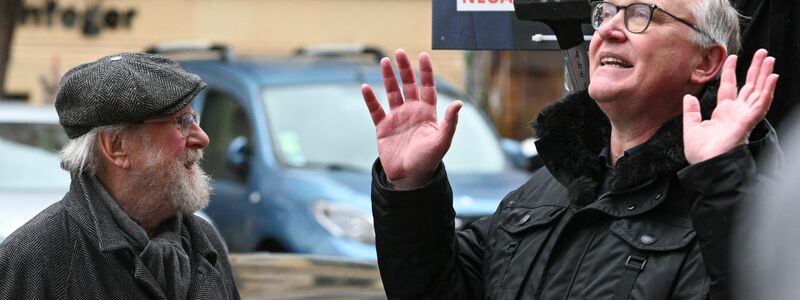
54, 35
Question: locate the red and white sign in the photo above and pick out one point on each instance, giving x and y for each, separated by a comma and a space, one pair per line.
485, 5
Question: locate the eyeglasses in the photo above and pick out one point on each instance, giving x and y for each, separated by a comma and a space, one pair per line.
186, 120
637, 16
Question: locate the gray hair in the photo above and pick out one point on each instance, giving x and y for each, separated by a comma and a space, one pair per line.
82, 154
720, 20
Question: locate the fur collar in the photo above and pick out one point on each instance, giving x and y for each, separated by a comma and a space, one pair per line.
572, 132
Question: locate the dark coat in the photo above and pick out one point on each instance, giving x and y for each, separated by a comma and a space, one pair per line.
773, 25
69, 252
661, 232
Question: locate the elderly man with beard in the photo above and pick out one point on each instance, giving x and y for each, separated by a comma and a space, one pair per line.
641, 185
125, 229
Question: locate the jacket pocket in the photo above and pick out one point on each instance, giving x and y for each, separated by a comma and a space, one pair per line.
517, 241
647, 236
520, 220
655, 253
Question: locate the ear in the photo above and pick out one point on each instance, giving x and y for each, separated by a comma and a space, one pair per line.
711, 61
114, 148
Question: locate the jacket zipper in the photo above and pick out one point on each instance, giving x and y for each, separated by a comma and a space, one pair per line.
580, 262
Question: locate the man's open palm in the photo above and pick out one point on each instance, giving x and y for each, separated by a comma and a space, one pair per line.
410, 141
735, 115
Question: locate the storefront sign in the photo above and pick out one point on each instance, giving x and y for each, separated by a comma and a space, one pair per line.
489, 25
90, 20
485, 5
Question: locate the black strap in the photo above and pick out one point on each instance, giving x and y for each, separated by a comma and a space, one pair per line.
634, 265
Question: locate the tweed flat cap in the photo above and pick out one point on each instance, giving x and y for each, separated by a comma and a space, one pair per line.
123, 88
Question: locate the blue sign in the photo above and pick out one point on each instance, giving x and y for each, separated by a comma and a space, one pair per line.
489, 25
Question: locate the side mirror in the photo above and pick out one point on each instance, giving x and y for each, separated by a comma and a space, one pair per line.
528, 149
513, 150
237, 157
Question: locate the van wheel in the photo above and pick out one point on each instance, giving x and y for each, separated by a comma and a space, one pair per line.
270, 245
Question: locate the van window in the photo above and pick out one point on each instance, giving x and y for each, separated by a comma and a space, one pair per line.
223, 119
327, 126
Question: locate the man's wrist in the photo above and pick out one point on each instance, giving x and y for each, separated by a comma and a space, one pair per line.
411, 183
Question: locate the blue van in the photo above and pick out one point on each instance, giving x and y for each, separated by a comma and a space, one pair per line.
292, 146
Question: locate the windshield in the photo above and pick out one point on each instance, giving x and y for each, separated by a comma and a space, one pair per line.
328, 126
30, 157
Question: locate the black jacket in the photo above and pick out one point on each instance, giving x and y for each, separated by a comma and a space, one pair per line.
661, 232
71, 250
773, 25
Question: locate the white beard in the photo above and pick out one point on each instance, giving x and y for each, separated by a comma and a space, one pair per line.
189, 192
186, 189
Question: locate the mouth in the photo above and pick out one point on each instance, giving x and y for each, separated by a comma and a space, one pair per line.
191, 159
614, 62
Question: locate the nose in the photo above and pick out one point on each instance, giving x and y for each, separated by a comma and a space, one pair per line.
197, 139
614, 28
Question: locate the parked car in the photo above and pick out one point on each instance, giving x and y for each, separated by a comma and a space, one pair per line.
292, 146
31, 178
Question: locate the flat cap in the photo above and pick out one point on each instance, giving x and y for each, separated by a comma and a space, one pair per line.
123, 88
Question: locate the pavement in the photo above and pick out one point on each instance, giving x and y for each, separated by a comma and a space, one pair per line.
262, 276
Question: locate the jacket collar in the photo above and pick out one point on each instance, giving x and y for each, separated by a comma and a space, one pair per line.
198, 238
83, 202
572, 132
85, 207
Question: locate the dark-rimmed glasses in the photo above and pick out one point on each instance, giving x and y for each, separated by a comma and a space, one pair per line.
186, 120
637, 16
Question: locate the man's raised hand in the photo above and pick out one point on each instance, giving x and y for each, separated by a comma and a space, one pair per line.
736, 114
411, 143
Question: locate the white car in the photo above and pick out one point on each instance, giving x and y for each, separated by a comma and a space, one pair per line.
31, 178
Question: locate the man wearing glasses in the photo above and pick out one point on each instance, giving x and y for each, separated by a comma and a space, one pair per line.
125, 229
640, 186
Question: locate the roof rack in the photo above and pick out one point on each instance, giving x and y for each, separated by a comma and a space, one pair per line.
341, 50
224, 52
